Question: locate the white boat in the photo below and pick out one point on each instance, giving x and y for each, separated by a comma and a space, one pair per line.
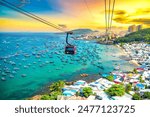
3, 79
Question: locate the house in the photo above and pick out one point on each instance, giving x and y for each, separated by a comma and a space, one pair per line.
140, 86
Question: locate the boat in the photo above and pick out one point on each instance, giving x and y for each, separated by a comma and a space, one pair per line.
25, 67
26, 55
117, 67
34, 62
11, 76
7, 71
23, 75
47, 62
14, 72
4, 74
29, 64
19, 64
3, 79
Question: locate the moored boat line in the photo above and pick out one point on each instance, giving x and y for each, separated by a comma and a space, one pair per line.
51, 62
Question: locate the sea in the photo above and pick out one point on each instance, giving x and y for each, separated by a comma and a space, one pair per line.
30, 62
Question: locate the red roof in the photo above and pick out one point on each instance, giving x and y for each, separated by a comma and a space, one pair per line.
141, 69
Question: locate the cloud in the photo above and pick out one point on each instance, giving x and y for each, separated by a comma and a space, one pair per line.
62, 25
121, 16
128, 20
120, 12
145, 21
143, 11
121, 20
124, 17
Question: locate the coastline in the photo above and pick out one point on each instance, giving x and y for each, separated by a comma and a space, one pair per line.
88, 79
134, 62
125, 54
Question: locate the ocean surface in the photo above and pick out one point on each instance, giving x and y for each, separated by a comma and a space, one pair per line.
29, 62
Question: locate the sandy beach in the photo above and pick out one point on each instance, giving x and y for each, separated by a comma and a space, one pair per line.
134, 62
126, 56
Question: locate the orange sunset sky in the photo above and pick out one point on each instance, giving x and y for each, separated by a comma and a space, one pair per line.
74, 14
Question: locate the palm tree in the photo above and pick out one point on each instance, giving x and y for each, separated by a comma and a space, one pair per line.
57, 86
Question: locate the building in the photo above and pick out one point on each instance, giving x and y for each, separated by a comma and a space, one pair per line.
139, 27
132, 28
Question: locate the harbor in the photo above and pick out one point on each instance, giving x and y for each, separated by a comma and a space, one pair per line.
32, 62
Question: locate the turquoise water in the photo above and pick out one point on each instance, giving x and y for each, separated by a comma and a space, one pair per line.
31, 61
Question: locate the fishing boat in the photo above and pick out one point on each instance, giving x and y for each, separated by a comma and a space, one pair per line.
117, 67
11, 76
23, 75
3, 79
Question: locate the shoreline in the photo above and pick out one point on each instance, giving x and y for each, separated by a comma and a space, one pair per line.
124, 53
87, 79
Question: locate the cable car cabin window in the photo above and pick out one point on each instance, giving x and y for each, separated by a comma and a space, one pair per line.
70, 50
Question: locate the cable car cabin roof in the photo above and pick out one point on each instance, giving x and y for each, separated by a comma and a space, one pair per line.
70, 47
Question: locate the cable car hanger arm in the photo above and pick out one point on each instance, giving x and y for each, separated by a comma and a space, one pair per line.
70, 32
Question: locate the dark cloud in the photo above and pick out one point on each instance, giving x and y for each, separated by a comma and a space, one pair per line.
143, 11
119, 19
142, 21
120, 12
62, 25
121, 16
126, 20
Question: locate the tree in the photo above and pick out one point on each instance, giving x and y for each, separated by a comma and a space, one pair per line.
146, 95
57, 86
135, 71
110, 78
128, 88
146, 86
121, 44
139, 36
141, 80
147, 37
77, 93
116, 90
136, 96
136, 88
87, 91
51, 96
45, 97
55, 90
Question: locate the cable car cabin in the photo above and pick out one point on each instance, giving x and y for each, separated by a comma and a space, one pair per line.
70, 49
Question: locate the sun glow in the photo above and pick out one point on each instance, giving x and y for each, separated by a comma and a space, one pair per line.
75, 14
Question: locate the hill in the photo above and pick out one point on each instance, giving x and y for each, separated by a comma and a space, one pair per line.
139, 36
82, 31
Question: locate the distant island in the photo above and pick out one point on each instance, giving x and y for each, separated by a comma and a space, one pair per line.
80, 31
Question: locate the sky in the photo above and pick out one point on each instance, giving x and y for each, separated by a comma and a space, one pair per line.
73, 14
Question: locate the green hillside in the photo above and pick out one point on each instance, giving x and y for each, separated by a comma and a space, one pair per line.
139, 36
